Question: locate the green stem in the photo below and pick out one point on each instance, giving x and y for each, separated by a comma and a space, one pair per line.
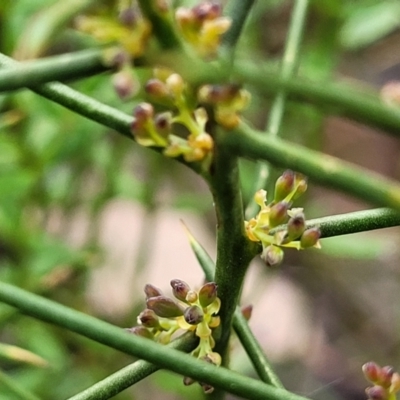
254, 350
162, 356
16, 388
324, 169
352, 102
240, 325
131, 374
233, 248
289, 64
64, 67
161, 25
354, 222
238, 11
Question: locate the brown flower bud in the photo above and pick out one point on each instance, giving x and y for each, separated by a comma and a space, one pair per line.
148, 318
208, 293
156, 88
164, 307
152, 291
371, 371
284, 185
247, 311
193, 315
310, 237
187, 380
278, 214
295, 228
180, 289
140, 331
143, 112
385, 376
376, 393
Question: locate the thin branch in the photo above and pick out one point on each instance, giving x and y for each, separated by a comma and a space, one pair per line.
233, 255
65, 67
354, 222
238, 11
321, 168
102, 332
131, 374
162, 27
289, 64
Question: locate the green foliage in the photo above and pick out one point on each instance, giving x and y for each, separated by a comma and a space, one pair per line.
56, 166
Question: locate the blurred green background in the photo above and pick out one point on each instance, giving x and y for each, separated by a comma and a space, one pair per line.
88, 217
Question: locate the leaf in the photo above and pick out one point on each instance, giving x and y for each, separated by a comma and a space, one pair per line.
366, 25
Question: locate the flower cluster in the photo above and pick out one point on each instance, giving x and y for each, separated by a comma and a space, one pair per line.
189, 311
150, 129
130, 30
227, 100
202, 26
288, 188
386, 381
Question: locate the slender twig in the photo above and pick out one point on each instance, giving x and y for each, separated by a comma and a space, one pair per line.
16, 388
65, 67
240, 325
161, 25
131, 374
146, 349
354, 222
321, 168
289, 64
233, 248
238, 11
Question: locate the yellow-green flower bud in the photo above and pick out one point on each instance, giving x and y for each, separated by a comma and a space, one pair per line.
395, 383
284, 185
152, 291
180, 289
193, 315
191, 296
175, 84
207, 294
148, 318
278, 214
164, 307
140, 331
272, 255
310, 237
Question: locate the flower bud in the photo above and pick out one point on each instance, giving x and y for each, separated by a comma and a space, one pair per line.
208, 293
140, 331
148, 318
156, 88
124, 84
395, 383
385, 376
213, 358
272, 255
295, 228
193, 315
164, 307
143, 112
371, 371
163, 123
278, 214
180, 289
207, 389
175, 84
152, 291
207, 10
191, 296
128, 17
247, 311
310, 237
187, 380
284, 185
376, 393
300, 184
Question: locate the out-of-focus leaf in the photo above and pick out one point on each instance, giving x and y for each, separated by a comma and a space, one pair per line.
366, 25
359, 247
18, 354
45, 25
